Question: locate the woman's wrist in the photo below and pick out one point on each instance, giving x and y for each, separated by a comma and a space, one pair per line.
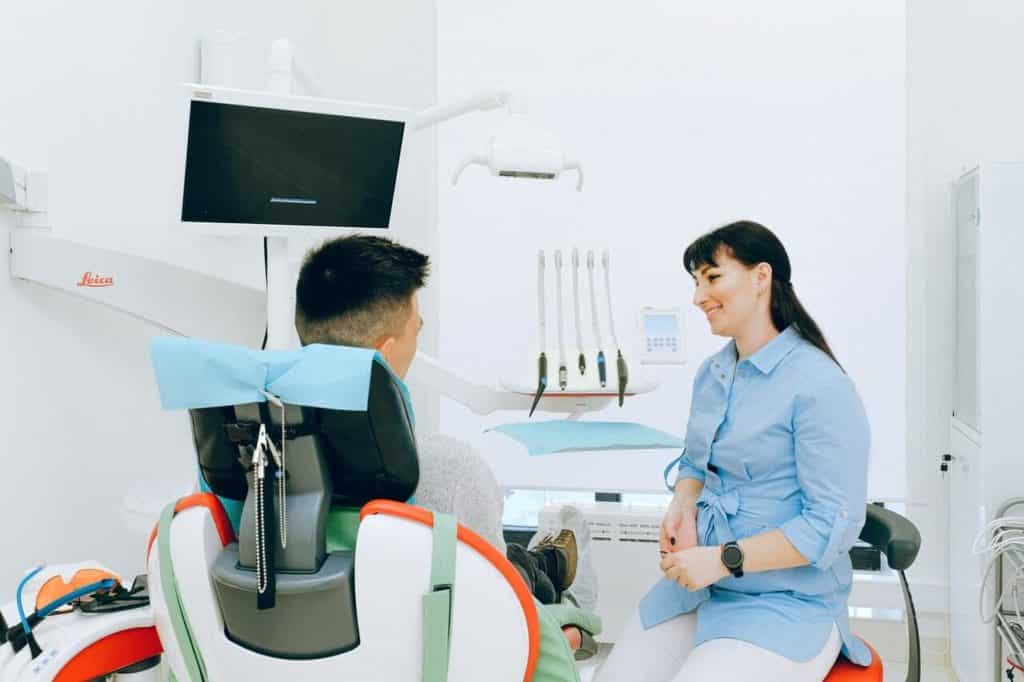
686, 507
685, 496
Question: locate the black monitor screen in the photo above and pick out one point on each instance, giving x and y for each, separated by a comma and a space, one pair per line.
269, 166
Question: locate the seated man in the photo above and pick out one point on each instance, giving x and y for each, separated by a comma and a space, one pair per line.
362, 291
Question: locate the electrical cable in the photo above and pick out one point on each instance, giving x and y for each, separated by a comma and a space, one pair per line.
582, 363
602, 371
21, 588
1003, 538
605, 258
620, 362
542, 361
563, 372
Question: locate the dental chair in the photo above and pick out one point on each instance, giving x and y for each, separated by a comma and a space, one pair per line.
899, 541
294, 596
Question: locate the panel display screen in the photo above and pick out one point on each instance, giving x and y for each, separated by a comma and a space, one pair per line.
258, 165
661, 325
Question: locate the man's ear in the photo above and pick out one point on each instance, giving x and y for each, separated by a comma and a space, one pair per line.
386, 346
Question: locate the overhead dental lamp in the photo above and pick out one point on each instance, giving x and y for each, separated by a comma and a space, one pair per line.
517, 149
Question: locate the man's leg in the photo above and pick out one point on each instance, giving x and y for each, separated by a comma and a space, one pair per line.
455, 480
530, 569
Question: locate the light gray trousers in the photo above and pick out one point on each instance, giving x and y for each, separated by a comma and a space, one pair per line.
666, 653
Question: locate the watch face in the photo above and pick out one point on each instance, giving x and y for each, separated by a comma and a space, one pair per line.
732, 557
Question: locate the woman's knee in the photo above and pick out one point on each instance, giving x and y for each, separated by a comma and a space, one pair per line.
649, 655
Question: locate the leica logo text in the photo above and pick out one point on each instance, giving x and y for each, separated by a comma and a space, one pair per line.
91, 280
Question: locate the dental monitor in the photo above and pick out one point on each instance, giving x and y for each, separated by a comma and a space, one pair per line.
267, 165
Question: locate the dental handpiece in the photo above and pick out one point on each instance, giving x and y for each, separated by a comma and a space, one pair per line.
620, 362
602, 372
542, 361
576, 309
563, 372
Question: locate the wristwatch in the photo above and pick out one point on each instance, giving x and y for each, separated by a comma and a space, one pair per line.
732, 557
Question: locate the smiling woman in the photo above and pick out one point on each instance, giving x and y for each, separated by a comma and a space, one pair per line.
770, 494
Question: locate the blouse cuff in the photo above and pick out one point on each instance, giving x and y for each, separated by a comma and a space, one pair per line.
821, 545
684, 470
688, 470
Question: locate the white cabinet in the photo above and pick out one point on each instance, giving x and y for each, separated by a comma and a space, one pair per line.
987, 440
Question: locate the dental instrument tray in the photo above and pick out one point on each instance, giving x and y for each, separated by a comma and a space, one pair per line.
579, 386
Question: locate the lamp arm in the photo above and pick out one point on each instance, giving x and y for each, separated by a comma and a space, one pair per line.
466, 163
483, 101
573, 164
285, 64
305, 76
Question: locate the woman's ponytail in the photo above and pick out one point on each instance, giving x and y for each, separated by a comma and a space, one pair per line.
787, 311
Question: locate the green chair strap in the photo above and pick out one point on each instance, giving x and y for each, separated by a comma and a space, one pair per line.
194, 666
437, 604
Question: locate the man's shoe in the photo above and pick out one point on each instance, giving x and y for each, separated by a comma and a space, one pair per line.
559, 554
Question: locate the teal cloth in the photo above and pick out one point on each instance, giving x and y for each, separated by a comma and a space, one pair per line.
193, 374
544, 438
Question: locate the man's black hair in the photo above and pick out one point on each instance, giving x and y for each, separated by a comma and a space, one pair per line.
354, 289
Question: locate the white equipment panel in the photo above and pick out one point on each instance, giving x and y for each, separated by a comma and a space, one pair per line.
662, 341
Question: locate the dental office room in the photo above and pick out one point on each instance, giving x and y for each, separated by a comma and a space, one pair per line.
461, 341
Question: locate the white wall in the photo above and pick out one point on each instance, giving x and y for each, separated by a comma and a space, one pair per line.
965, 62
685, 116
90, 93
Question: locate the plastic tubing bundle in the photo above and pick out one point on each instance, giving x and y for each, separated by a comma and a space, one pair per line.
1003, 539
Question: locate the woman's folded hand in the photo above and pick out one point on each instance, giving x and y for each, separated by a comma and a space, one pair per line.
695, 567
679, 527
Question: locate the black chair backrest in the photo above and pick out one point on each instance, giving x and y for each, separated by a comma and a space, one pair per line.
293, 599
369, 454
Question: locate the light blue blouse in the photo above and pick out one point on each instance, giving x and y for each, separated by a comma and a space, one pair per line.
780, 440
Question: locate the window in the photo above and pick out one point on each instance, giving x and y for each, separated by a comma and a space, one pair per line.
523, 506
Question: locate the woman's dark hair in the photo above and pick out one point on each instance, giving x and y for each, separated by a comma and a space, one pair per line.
752, 243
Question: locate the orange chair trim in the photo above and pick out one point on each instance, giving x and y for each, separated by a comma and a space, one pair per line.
216, 509
845, 671
484, 548
112, 653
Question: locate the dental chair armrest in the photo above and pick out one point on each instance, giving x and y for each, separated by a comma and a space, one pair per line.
893, 535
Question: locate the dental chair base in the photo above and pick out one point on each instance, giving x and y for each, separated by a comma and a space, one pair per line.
389, 598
